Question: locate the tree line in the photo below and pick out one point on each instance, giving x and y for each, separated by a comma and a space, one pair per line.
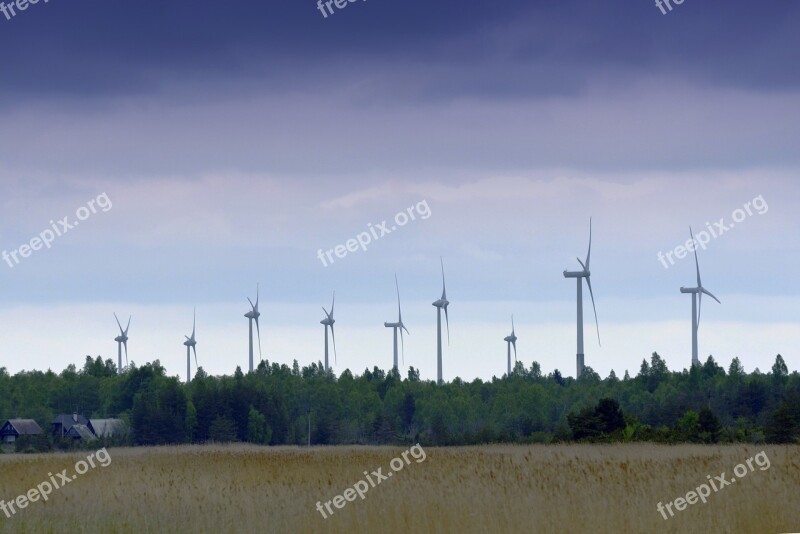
275, 404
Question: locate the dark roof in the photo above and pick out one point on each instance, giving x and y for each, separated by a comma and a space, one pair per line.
24, 427
82, 432
67, 421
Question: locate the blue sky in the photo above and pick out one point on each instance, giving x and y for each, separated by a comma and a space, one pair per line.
234, 141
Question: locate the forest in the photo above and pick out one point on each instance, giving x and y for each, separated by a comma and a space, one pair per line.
275, 404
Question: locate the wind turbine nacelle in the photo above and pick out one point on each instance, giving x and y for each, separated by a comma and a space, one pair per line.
689, 290
575, 274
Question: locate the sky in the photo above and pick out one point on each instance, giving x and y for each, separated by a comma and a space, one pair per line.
206, 148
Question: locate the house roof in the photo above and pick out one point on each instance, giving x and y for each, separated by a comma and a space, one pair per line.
24, 427
82, 432
107, 428
66, 420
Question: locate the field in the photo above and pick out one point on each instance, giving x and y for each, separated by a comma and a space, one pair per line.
479, 489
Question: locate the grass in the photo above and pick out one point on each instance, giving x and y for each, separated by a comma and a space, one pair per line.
569, 488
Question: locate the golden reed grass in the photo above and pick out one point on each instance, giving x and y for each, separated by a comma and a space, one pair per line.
566, 488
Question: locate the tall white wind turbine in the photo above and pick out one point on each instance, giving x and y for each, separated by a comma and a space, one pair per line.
696, 292
253, 315
398, 326
440, 305
511, 340
190, 346
579, 276
122, 339
328, 321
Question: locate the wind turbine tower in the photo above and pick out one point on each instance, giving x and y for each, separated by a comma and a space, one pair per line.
122, 339
328, 322
253, 315
511, 340
398, 326
580, 276
697, 298
440, 305
190, 346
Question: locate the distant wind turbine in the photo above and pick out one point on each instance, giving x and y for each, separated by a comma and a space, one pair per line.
695, 291
440, 305
328, 322
190, 345
398, 326
254, 314
122, 339
580, 275
511, 340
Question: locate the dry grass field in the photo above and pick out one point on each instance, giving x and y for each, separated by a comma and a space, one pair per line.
481, 489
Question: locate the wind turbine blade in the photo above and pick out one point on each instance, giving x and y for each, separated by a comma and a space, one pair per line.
699, 307
515, 349
589, 283
696, 262
187, 338
129, 324
447, 319
120, 326
259, 339
257, 292
333, 335
399, 313
707, 292
125, 343
403, 344
253, 306
333, 303
589, 254
328, 315
195, 357
582, 264
444, 287
194, 322
512, 325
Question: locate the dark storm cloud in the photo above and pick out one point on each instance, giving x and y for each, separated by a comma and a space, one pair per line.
93, 48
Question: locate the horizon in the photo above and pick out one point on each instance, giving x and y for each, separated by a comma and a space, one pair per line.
197, 172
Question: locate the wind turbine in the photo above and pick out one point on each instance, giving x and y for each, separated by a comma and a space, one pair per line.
122, 339
579, 276
398, 325
511, 340
190, 345
251, 315
441, 304
328, 322
695, 291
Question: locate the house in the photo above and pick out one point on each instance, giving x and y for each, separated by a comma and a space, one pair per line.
63, 423
15, 428
108, 428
